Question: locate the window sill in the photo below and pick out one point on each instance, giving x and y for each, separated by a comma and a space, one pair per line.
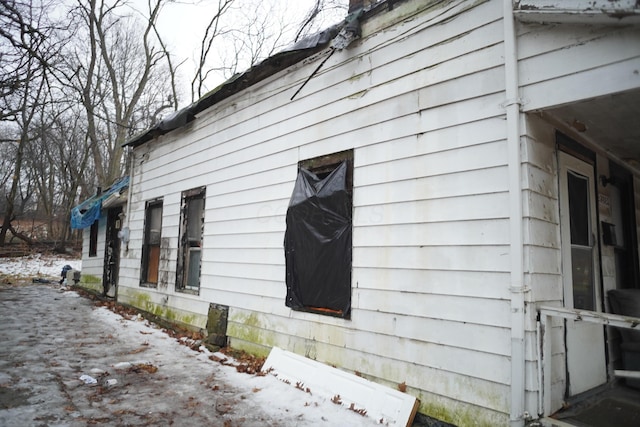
190, 291
148, 285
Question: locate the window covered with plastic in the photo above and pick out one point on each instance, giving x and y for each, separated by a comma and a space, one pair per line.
318, 240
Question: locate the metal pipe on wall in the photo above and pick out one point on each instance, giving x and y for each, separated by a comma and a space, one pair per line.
517, 289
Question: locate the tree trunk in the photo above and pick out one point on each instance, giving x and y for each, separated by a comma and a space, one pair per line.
8, 216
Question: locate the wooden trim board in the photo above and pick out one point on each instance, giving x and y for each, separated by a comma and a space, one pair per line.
384, 404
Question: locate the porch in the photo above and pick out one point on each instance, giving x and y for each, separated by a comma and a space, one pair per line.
616, 403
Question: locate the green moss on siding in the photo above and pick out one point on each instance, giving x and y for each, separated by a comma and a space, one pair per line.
142, 301
90, 282
251, 329
249, 347
457, 413
89, 278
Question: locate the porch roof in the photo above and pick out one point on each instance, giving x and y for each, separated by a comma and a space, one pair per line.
85, 214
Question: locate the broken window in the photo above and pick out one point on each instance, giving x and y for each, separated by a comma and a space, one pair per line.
93, 239
318, 236
190, 250
151, 243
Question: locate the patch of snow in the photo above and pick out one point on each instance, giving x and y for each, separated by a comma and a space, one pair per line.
88, 379
37, 265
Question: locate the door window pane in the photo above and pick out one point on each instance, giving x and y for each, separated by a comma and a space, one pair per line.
579, 208
582, 273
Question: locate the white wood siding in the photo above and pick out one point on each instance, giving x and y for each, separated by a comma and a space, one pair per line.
93, 267
420, 106
559, 64
542, 249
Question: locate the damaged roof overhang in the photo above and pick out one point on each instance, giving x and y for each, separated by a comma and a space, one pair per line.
255, 74
270, 66
333, 37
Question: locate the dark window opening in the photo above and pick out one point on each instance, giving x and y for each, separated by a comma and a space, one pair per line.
190, 250
151, 243
318, 238
93, 239
624, 216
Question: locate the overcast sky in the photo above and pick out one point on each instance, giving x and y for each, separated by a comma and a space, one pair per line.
182, 25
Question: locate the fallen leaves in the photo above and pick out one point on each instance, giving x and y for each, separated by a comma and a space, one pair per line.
126, 312
243, 362
300, 386
143, 367
145, 347
360, 411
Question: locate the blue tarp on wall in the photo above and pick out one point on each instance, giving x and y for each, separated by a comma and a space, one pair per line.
85, 214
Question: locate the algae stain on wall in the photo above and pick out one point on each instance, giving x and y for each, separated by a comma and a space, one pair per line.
144, 302
251, 329
89, 281
456, 413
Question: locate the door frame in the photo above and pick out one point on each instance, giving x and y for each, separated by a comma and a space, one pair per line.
581, 339
111, 264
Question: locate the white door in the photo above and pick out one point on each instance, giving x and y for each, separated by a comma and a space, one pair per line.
586, 365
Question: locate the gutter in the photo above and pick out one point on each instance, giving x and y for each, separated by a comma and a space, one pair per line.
512, 106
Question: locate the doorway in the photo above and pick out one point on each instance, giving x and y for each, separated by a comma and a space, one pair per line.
584, 342
111, 252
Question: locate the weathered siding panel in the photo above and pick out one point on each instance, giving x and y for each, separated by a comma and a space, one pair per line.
558, 64
542, 249
92, 267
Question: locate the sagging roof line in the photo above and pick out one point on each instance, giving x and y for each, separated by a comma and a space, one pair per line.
337, 37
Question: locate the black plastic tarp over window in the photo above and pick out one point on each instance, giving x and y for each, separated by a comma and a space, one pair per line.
317, 243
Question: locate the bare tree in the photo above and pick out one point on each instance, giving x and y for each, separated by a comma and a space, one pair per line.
213, 31
241, 33
118, 79
321, 14
28, 51
260, 31
57, 162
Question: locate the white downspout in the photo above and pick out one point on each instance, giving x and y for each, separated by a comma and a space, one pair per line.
512, 107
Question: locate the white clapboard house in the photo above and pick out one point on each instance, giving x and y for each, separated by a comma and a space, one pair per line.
445, 201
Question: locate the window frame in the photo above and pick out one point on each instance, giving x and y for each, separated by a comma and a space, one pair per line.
148, 246
322, 166
188, 246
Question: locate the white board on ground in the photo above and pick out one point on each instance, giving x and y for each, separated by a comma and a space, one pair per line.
380, 403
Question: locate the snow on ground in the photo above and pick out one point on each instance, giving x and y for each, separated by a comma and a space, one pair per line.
37, 265
279, 400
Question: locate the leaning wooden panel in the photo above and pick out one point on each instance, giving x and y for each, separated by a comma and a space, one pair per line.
381, 403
